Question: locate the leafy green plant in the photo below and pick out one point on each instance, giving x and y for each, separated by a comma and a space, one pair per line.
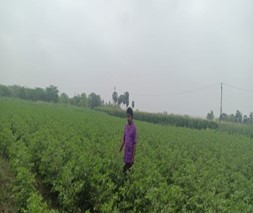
67, 158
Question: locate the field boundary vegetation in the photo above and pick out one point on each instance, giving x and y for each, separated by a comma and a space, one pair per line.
163, 118
182, 121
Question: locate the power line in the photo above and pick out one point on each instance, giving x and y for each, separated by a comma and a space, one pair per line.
238, 88
176, 93
221, 85
189, 91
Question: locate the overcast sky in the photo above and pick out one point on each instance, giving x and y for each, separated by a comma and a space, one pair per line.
170, 55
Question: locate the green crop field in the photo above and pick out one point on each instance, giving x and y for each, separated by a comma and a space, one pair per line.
66, 159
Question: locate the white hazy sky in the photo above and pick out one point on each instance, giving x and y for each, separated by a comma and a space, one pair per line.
165, 53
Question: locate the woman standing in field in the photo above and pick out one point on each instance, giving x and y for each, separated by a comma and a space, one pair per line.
129, 141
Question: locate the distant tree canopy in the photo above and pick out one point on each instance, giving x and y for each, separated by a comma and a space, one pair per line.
75, 100
83, 100
210, 116
122, 99
5, 91
94, 100
126, 94
64, 98
133, 104
23, 92
51, 94
115, 97
79, 100
238, 117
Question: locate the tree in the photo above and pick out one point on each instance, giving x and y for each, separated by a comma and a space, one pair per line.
124, 99
246, 119
14, 90
231, 118
115, 97
75, 100
64, 98
121, 99
224, 117
94, 100
210, 115
22, 93
238, 116
30, 94
126, 94
4, 91
39, 94
251, 117
83, 100
133, 104
51, 94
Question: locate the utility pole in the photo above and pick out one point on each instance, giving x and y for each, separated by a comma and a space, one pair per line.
221, 102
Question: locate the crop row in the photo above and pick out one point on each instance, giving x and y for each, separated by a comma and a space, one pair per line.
66, 159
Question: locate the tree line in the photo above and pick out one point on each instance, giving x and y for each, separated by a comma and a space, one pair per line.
238, 117
51, 94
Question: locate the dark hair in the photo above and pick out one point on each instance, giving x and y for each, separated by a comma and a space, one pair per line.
130, 111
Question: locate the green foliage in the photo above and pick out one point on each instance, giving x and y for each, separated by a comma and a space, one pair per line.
74, 154
83, 100
51, 94
164, 119
7, 203
64, 98
210, 116
236, 129
238, 118
5, 91
35, 204
94, 100
115, 97
122, 99
6, 139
